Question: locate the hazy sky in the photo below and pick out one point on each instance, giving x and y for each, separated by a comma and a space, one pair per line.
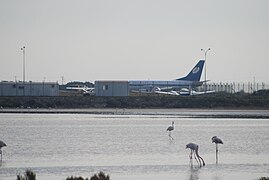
89, 40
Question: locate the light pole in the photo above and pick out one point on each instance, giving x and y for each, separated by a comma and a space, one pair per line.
23, 69
205, 51
23, 52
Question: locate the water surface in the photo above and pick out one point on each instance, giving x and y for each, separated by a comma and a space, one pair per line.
56, 146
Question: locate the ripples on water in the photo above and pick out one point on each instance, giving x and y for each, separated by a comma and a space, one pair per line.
131, 146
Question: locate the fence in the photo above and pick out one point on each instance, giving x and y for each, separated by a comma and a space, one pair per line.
234, 87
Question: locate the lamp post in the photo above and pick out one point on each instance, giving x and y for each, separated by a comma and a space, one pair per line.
23, 52
23, 69
205, 51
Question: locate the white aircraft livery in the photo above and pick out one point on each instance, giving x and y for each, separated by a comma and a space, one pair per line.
192, 80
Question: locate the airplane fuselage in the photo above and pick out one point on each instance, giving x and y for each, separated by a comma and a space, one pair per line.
151, 85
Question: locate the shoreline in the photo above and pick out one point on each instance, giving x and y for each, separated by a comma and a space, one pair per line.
177, 112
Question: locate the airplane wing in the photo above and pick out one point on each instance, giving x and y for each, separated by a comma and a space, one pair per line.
202, 92
86, 90
80, 88
174, 93
187, 92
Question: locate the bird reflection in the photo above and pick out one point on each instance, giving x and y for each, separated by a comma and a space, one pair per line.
194, 173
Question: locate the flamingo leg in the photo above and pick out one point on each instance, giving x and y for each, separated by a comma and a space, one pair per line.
190, 156
217, 150
171, 136
198, 162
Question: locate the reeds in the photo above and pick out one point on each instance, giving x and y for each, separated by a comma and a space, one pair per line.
28, 175
99, 176
263, 178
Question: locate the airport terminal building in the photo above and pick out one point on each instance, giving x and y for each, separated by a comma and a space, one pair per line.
29, 88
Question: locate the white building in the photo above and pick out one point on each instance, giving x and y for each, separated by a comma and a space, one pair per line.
29, 88
111, 88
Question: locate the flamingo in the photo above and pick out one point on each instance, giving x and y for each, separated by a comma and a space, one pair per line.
171, 128
2, 144
194, 149
217, 141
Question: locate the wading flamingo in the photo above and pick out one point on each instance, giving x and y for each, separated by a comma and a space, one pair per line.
217, 141
194, 150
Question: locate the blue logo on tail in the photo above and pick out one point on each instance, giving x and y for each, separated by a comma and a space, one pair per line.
195, 73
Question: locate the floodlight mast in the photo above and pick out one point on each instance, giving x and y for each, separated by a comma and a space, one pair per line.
205, 52
23, 69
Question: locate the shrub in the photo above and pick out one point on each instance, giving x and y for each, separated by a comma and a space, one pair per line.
100, 176
75, 178
263, 178
28, 175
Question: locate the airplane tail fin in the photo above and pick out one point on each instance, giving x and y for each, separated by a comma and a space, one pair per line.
195, 73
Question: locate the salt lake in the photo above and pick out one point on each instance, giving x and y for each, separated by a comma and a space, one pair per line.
132, 146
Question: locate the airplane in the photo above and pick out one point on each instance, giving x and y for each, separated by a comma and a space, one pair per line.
159, 91
188, 92
192, 80
182, 92
86, 90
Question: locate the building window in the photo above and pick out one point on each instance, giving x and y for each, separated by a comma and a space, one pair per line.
105, 87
